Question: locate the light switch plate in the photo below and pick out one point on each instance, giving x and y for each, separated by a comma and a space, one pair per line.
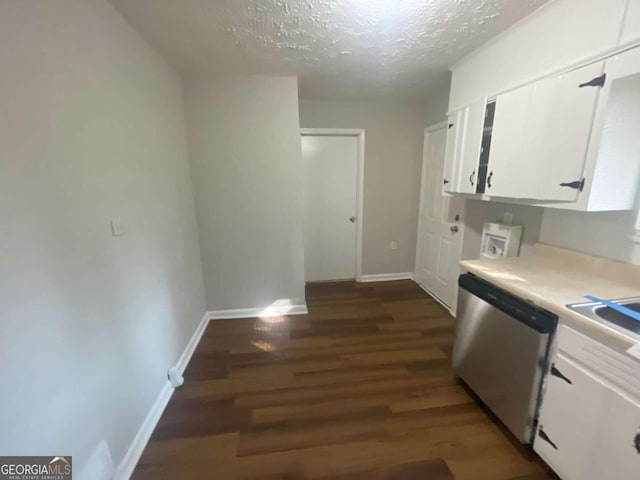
118, 226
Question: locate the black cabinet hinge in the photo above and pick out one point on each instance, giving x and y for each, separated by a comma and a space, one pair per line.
596, 82
450, 125
557, 373
546, 438
576, 185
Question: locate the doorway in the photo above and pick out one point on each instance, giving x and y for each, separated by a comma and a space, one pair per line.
439, 243
333, 170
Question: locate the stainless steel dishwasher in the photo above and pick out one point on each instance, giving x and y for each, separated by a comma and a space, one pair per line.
500, 351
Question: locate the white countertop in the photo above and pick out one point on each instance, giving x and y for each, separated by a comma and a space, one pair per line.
553, 277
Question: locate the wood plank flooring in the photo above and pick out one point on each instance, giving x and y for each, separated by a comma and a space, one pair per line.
360, 388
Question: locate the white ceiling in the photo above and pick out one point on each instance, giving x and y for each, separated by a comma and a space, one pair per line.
338, 48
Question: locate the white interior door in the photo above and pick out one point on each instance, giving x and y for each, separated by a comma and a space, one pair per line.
330, 206
439, 235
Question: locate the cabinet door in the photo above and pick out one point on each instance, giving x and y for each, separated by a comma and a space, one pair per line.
616, 450
453, 150
505, 178
614, 149
541, 135
631, 28
467, 171
571, 410
562, 119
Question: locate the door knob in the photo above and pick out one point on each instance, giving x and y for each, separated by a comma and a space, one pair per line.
454, 229
352, 219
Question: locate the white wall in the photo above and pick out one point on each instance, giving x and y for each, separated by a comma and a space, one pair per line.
393, 151
477, 212
556, 35
91, 128
437, 104
604, 234
244, 146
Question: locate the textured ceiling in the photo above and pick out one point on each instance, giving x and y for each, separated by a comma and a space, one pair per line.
338, 48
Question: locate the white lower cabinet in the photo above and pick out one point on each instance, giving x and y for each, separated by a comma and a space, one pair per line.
568, 420
588, 430
616, 448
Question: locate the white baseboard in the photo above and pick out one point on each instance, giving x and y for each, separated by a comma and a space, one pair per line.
300, 309
183, 361
131, 458
387, 277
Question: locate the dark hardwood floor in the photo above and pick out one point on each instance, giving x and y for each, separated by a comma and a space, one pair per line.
360, 388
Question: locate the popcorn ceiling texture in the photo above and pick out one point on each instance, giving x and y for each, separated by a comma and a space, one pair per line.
338, 48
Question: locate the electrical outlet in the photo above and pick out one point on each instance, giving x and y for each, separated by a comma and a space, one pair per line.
394, 245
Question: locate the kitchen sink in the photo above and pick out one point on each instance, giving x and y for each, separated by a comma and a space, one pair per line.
608, 316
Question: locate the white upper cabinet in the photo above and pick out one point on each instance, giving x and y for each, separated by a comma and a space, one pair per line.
468, 171
541, 135
566, 141
453, 149
612, 169
506, 156
631, 27
464, 137
553, 143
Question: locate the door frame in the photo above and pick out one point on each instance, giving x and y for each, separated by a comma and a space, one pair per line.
358, 133
458, 254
